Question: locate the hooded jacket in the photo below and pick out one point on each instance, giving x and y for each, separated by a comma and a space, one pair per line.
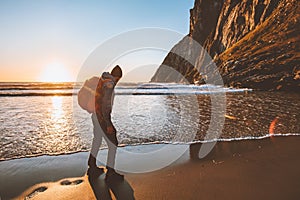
104, 100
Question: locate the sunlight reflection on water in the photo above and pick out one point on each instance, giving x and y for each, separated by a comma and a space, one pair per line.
57, 110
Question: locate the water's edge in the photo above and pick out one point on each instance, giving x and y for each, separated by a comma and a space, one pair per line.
160, 143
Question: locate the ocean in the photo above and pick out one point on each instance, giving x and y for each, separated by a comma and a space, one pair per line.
45, 119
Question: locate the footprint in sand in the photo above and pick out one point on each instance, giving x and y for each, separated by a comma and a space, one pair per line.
35, 192
67, 182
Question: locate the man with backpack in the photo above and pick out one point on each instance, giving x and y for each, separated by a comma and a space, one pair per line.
103, 126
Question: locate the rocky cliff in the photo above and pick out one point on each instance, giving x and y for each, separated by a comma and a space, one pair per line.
254, 44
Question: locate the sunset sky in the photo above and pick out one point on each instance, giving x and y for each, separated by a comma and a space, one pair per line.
39, 37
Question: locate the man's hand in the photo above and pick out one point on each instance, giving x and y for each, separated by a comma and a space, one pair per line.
110, 130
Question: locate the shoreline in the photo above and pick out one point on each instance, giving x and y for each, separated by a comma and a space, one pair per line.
161, 143
266, 168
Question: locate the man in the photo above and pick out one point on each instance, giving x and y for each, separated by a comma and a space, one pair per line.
103, 126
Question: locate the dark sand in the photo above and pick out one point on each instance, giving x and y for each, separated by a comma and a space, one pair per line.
249, 169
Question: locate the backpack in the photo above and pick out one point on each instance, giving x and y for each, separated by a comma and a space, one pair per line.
87, 93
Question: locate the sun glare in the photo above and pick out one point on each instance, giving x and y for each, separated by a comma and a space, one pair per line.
55, 72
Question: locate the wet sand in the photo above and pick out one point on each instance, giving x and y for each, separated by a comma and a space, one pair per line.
246, 169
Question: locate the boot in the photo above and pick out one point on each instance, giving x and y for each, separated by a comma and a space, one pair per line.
93, 170
112, 175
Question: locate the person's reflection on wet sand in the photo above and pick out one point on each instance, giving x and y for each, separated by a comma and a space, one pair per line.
227, 149
121, 189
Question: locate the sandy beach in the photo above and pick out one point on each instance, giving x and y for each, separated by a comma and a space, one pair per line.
247, 169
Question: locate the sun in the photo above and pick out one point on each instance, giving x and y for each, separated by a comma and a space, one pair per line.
55, 72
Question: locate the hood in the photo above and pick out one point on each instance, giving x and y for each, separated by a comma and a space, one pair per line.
107, 75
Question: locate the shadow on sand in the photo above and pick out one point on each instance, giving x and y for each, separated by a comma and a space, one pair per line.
102, 189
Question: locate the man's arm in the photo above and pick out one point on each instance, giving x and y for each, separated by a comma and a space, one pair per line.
106, 106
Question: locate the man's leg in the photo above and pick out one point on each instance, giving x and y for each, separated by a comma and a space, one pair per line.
112, 150
112, 143
97, 140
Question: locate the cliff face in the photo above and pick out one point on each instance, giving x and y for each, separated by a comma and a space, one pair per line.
254, 43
